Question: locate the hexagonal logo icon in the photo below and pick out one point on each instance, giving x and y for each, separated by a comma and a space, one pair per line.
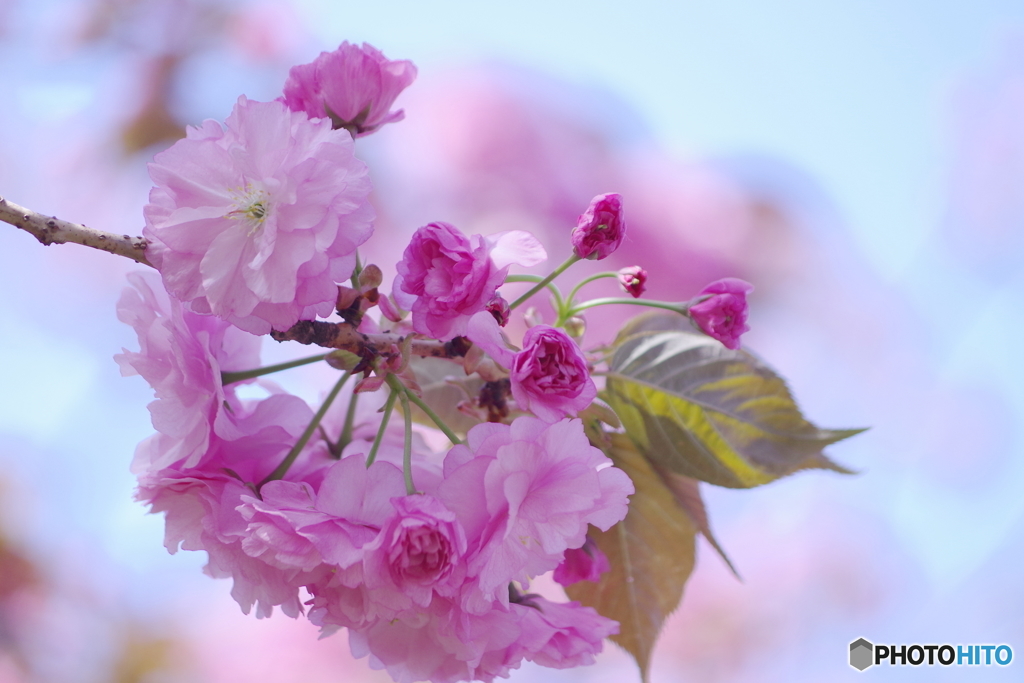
861, 654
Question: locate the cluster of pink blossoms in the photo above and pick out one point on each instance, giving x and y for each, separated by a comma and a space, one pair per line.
423, 559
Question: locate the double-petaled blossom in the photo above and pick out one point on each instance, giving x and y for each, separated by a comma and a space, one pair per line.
549, 376
353, 86
633, 279
525, 493
722, 310
600, 228
561, 635
201, 503
255, 222
445, 277
181, 355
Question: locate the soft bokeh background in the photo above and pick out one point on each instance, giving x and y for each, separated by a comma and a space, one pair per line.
861, 162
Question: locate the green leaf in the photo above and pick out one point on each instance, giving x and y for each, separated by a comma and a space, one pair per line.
445, 385
696, 408
651, 553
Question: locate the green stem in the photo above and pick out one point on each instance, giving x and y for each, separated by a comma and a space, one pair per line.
559, 301
227, 378
677, 308
388, 409
586, 281
282, 469
432, 415
410, 487
346, 431
544, 282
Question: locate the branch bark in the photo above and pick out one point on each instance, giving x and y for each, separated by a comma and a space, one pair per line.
345, 336
51, 230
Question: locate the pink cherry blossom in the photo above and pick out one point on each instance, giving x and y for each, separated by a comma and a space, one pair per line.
600, 229
181, 355
582, 564
256, 222
550, 376
418, 552
353, 86
633, 279
525, 493
723, 314
444, 277
442, 643
201, 505
561, 635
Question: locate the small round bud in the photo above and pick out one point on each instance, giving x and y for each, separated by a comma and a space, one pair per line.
370, 278
634, 280
340, 359
575, 326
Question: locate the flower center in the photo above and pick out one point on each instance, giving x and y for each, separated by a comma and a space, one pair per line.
252, 206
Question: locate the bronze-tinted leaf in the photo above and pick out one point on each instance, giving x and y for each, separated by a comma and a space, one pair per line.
698, 409
687, 493
651, 553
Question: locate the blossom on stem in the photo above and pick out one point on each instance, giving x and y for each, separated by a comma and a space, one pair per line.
353, 86
444, 277
633, 280
600, 229
550, 376
721, 311
255, 222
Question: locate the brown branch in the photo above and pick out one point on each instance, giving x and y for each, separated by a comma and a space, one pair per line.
50, 230
345, 336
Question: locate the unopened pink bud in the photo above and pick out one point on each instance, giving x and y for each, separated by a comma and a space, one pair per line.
600, 229
634, 280
723, 314
582, 564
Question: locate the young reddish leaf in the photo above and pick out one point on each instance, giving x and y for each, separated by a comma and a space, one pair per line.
651, 553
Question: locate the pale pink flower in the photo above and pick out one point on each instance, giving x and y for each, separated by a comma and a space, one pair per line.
582, 564
723, 314
524, 494
418, 551
201, 505
444, 277
256, 222
353, 86
550, 376
633, 280
600, 229
181, 355
561, 635
442, 643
